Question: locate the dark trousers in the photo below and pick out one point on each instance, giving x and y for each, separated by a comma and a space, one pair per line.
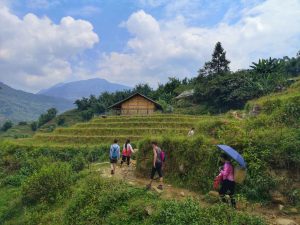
124, 159
158, 169
228, 187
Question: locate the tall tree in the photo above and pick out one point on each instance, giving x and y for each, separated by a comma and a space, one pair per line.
218, 64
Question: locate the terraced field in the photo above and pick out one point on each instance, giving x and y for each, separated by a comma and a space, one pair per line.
103, 130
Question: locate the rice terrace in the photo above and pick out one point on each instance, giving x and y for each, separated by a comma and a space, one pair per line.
150, 112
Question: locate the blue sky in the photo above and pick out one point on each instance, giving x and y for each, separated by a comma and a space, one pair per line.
44, 42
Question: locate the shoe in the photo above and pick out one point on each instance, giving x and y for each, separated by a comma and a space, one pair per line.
160, 187
112, 172
148, 186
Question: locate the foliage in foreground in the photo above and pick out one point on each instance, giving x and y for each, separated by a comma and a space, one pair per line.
112, 202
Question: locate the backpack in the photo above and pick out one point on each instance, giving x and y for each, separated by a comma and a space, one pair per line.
239, 175
114, 154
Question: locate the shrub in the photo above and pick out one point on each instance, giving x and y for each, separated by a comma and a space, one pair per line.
46, 117
96, 199
23, 123
87, 115
47, 184
78, 163
190, 162
14, 180
7, 125
61, 121
190, 212
34, 126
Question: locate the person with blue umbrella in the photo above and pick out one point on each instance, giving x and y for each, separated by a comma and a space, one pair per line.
226, 175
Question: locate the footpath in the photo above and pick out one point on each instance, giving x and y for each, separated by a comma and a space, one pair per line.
273, 214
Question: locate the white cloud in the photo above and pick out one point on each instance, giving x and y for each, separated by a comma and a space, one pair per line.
159, 49
36, 53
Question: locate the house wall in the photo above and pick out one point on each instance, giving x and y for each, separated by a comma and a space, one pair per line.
137, 105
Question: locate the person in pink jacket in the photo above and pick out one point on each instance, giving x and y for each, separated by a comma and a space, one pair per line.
227, 180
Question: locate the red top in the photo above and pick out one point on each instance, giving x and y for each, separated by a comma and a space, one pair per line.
128, 151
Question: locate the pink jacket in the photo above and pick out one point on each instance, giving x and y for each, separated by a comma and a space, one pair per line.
227, 172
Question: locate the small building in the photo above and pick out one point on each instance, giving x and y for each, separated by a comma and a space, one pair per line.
136, 104
186, 94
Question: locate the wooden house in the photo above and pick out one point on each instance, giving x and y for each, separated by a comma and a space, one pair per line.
136, 104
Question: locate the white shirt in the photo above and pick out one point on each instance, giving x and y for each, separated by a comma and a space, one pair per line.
191, 133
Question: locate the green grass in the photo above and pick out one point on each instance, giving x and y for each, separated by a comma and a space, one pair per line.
17, 131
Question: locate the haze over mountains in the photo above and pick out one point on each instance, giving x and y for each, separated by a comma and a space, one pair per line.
16, 105
83, 88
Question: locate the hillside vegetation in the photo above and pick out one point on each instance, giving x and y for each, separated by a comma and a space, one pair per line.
19, 106
48, 179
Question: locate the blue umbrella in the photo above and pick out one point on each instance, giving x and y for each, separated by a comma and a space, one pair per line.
233, 154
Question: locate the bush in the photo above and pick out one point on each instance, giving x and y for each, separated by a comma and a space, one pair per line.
34, 126
190, 212
47, 184
190, 162
78, 163
97, 198
46, 117
23, 123
7, 125
87, 115
61, 121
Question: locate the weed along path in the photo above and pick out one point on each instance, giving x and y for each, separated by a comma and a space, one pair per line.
272, 214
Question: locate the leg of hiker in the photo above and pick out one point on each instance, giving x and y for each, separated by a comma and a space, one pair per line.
128, 160
223, 191
160, 174
231, 188
123, 159
232, 201
153, 171
111, 168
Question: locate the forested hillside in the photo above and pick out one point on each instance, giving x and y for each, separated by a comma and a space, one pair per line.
18, 105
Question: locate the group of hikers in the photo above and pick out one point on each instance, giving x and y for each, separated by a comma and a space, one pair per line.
158, 158
225, 178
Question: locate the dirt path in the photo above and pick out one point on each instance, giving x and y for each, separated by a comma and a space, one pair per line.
271, 213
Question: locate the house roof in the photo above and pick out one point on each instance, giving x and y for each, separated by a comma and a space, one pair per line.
118, 104
186, 94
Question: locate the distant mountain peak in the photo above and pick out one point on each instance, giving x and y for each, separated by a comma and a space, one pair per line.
82, 88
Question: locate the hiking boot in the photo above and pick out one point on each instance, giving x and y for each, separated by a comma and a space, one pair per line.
160, 187
148, 186
112, 172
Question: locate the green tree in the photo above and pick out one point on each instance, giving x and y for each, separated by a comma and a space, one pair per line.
218, 64
266, 66
7, 125
34, 126
46, 117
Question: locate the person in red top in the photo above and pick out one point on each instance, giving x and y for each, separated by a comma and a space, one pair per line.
227, 180
126, 153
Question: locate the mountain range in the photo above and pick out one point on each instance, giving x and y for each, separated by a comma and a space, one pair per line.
16, 105
83, 88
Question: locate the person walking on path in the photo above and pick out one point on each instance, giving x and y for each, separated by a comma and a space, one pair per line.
191, 132
114, 155
227, 180
126, 153
156, 166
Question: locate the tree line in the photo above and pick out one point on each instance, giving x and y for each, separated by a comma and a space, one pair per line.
215, 86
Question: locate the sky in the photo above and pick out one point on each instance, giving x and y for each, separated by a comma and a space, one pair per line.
45, 42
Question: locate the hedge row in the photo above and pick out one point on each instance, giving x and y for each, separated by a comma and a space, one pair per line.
190, 163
